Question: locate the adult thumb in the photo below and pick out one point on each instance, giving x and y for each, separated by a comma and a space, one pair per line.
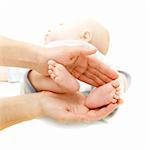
89, 51
86, 51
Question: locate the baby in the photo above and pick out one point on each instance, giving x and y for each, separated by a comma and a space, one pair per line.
89, 31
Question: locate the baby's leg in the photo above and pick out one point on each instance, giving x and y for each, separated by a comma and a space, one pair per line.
62, 77
103, 95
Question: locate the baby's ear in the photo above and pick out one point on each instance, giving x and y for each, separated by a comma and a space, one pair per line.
86, 36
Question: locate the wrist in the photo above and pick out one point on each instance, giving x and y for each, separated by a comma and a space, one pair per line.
43, 102
46, 104
43, 55
19, 108
37, 54
40, 102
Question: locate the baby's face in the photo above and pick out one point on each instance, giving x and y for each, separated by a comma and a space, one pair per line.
62, 32
86, 30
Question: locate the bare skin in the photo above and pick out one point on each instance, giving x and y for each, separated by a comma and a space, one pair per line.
88, 30
20, 54
69, 108
85, 29
103, 95
65, 108
62, 77
91, 31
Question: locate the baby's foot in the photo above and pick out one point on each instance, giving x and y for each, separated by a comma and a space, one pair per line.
62, 77
103, 95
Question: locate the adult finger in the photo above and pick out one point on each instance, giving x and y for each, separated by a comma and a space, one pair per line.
99, 74
92, 74
88, 80
94, 78
76, 50
101, 67
98, 114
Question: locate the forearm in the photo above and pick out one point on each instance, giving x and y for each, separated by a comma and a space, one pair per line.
18, 54
20, 108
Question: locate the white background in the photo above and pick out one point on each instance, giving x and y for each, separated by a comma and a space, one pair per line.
128, 24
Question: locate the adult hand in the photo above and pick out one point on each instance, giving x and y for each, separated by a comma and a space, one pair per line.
70, 108
76, 59
78, 62
61, 107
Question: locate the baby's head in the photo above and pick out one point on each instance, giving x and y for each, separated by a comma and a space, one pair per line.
88, 30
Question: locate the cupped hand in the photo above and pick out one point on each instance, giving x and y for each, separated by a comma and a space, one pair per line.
68, 108
79, 63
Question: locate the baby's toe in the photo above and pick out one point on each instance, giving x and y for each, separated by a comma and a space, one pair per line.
53, 76
118, 89
118, 93
50, 67
52, 63
115, 84
50, 72
116, 96
114, 100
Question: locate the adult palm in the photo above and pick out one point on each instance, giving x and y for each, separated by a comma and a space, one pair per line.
70, 108
79, 63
